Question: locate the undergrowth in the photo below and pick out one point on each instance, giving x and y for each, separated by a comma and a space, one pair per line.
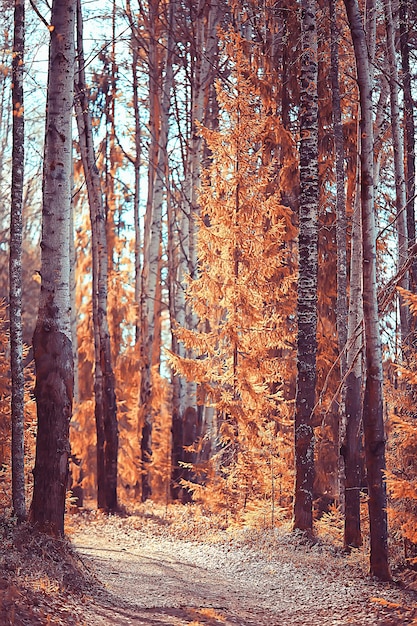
42, 581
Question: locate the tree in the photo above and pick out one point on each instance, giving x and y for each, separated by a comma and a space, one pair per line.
405, 10
399, 172
199, 22
373, 422
52, 337
160, 97
15, 265
241, 292
307, 280
104, 383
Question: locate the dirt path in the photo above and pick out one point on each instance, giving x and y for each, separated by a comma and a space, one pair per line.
154, 579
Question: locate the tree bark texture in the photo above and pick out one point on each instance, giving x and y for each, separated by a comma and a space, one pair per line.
307, 281
409, 130
352, 440
15, 266
373, 421
341, 226
151, 245
104, 381
52, 336
398, 146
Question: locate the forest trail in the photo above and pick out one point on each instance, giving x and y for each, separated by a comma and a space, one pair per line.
147, 576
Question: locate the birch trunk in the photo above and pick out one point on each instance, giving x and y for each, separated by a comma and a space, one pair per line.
15, 266
373, 421
137, 163
341, 302
52, 336
398, 146
104, 382
73, 290
341, 228
351, 445
152, 236
307, 281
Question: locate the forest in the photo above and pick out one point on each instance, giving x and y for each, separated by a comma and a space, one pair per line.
208, 286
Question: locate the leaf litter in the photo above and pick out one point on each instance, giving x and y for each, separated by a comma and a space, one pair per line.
174, 565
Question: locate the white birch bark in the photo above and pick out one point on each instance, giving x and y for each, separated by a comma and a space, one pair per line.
398, 146
152, 236
52, 336
104, 383
373, 421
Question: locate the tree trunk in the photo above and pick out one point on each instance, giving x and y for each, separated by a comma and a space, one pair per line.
409, 131
15, 266
373, 421
341, 227
186, 416
104, 382
307, 281
52, 336
352, 440
73, 300
136, 162
152, 236
341, 302
398, 146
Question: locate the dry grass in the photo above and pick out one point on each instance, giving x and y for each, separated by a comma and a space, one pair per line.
42, 581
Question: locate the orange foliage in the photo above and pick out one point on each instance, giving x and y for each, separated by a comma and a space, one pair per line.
244, 295
402, 445
126, 368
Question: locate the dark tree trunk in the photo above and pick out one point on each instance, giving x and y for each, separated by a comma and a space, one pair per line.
307, 282
15, 266
52, 337
409, 131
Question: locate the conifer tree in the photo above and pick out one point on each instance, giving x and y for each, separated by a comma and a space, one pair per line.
244, 288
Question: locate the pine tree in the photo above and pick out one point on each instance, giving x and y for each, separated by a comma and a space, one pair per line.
244, 291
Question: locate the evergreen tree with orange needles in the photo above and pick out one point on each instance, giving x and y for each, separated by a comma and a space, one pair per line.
244, 291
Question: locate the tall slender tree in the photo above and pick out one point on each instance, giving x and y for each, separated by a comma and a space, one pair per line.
307, 280
15, 264
104, 381
399, 171
373, 419
52, 337
409, 127
202, 18
159, 102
